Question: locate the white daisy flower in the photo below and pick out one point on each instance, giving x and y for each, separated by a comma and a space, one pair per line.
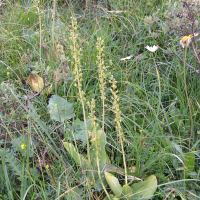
152, 49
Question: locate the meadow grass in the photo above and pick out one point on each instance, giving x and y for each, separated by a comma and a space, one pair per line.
140, 121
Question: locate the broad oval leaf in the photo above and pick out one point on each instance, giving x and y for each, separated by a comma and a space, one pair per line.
113, 183
146, 188
59, 109
78, 158
126, 192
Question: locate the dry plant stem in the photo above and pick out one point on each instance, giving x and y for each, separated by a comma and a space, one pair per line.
187, 96
196, 55
54, 10
40, 39
132, 27
71, 189
35, 95
169, 194
86, 8
40, 24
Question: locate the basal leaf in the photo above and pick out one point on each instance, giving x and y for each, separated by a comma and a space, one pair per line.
146, 188
59, 109
189, 161
113, 182
79, 128
103, 142
78, 158
126, 192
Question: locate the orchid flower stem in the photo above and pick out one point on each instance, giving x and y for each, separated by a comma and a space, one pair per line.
188, 101
99, 174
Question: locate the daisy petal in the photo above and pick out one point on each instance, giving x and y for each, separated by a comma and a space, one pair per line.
127, 58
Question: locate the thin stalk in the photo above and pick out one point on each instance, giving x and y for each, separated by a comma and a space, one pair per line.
117, 112
159, 86
99, 173
40, 52
101, 71
103, 105
23, 186
85, 125
124, 159
84, 115
40, 39
160, 101
184, 74
78, 72
196, 55
53, 24
78, 76
86, 133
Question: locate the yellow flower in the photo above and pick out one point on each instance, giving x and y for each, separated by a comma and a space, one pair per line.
193, 35
8, 73
140, 130
23, 146
185, 38
47, 166
185, 41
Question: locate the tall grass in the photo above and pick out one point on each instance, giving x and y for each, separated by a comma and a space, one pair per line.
146, 117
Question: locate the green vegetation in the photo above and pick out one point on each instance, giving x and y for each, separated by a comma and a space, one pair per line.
87, 112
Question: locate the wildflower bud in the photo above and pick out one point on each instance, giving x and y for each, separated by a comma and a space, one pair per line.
36, 82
